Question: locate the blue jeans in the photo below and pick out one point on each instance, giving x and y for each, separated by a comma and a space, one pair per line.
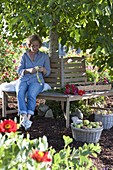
26, 96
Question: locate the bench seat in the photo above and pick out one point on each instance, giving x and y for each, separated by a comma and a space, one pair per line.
55, 96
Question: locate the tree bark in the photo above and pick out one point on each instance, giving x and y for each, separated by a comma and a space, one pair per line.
53, 45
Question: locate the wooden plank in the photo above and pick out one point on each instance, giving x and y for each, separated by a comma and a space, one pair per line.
68, 70
74, 79
77, 65
95, 87
73, 75
54, 85
53, 59
53, 74
103, 87
62, 72
11, 111
84, 83
53, 82
55, 70
55, 65
73, 59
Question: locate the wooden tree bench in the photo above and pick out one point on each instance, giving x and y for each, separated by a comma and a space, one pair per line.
64, 71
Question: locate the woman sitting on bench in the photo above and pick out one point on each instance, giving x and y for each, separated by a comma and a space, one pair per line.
33, 66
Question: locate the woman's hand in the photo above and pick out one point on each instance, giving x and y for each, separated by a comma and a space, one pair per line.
35, 69
30, 70
43, 70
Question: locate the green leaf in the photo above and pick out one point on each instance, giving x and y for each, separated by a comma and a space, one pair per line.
51, 2
97, 22
15, 20
67, 140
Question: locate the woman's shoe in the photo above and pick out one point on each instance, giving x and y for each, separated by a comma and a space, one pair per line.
23, 124
27, 124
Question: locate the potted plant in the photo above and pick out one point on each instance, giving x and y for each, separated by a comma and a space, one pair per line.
106, 117
87, 131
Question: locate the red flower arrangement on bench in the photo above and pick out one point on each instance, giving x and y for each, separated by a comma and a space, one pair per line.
72, 89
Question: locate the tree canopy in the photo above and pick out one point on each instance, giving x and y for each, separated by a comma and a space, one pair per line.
87, 24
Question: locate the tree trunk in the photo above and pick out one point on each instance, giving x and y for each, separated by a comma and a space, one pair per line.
53, 45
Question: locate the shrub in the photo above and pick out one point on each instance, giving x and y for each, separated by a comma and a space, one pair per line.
9, 58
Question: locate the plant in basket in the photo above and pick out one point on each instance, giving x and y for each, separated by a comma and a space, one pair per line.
104, 112
86, 124
105, 116
87, 131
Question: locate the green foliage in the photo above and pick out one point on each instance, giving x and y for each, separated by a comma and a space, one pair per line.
92, 76
85, 24
81, 105
102, 74
97, 101
86, 109
15, 151
71, 158
102, 77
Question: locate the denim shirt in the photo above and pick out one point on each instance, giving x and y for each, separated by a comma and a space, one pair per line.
40, 59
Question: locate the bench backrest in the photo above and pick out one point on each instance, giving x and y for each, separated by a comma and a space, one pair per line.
67, 70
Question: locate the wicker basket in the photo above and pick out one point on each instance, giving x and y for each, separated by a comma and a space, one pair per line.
107, 120
86, 135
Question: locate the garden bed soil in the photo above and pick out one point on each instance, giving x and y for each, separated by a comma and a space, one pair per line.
54, 129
